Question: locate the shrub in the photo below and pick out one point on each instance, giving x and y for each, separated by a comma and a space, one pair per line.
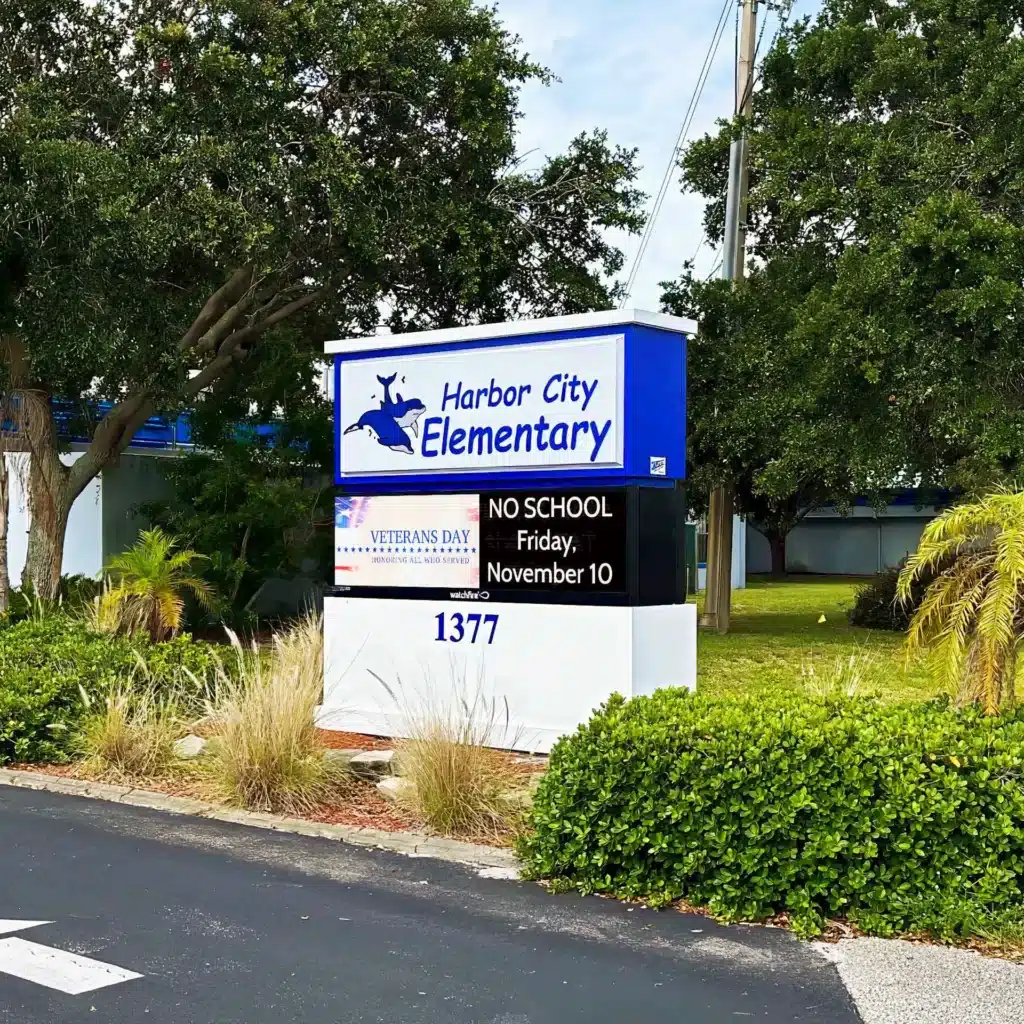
876, 605
133, 732
886, 814
46, 664
181, 664
265, 754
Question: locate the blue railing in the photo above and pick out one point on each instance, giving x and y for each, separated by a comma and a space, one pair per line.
156, 432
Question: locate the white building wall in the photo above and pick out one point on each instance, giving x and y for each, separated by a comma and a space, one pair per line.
83, 547
740, 562
860, 544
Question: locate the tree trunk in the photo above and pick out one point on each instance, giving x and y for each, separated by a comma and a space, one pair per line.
49, 499
45, 557
777, 543
718, 594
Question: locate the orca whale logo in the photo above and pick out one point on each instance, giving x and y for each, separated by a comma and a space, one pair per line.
391, 423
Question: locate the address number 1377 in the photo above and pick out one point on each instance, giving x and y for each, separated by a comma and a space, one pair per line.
456, 627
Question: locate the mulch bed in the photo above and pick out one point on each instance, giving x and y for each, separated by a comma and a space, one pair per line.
364, 807
352, 740
359, 805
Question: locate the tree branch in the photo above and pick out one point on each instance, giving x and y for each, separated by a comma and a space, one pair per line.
225, 296
119, 426
253, 331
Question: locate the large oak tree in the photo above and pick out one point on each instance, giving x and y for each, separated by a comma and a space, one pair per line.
879, 337
179, 179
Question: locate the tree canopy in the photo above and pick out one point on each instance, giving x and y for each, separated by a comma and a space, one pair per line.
178, 179
877, 339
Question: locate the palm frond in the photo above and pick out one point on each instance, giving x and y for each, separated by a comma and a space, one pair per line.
970, 617
148, 580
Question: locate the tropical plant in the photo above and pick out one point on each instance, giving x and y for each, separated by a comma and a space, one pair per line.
970, 619
147, 586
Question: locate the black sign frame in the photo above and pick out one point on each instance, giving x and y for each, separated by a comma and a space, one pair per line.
653, 538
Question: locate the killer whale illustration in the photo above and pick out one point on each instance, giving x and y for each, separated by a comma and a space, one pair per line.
389, 425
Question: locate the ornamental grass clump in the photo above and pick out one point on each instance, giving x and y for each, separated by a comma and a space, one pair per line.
459, 782
264, 751
131, 733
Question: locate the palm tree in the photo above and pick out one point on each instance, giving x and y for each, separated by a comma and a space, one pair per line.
972, 616
147, 584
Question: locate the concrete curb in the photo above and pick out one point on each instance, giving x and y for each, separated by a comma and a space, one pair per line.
412, 844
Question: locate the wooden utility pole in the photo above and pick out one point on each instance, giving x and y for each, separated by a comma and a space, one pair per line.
718, 599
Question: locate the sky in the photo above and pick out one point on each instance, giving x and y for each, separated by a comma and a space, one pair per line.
630, 67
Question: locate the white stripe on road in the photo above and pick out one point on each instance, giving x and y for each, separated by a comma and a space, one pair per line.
17, 926
66, 972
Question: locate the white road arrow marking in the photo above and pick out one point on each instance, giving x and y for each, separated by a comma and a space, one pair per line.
17, 926
65, 972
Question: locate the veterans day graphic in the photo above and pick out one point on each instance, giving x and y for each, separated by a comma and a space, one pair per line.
423, 541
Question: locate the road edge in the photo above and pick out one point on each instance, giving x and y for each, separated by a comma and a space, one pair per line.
411, 844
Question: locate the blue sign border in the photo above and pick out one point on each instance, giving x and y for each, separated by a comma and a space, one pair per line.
654, 417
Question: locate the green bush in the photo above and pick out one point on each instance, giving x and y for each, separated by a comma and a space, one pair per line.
898, 817
181, 660
46, 664
74, 593
875, 605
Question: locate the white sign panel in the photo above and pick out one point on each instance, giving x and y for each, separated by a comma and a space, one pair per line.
551, 405
549, 665
430, 540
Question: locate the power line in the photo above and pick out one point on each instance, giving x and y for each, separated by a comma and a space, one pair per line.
700, 245
717, 266
784, 17
666, 180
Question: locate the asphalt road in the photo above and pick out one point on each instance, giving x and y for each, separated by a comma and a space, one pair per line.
232, 925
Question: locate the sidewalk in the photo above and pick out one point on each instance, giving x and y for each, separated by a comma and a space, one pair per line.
897, 982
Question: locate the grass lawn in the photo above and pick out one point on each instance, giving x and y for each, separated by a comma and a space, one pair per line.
776, 640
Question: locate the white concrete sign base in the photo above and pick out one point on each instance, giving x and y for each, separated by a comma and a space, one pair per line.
551, 665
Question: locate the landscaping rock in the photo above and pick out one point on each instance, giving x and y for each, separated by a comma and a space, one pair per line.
189, 747
344, 754
372, 764
395, 788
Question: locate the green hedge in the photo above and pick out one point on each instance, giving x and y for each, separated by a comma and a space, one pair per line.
45, 664
898, 817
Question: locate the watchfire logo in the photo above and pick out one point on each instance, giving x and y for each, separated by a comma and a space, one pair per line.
469, 595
